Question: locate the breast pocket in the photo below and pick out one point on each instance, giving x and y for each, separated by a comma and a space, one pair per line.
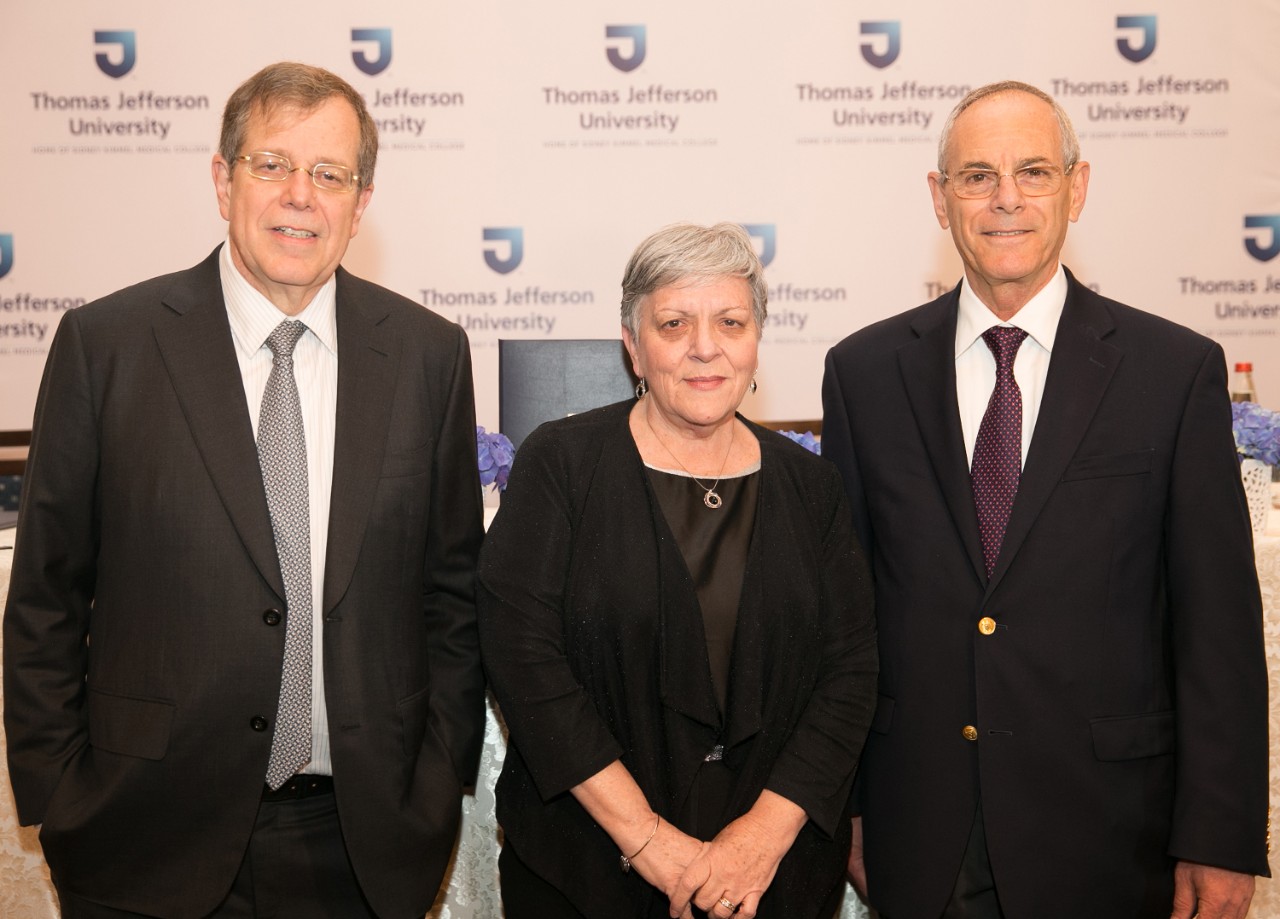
1109, 465
406, 463
1094, 493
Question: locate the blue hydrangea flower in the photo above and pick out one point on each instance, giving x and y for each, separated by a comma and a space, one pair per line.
806, 440
494, 456
1257, 432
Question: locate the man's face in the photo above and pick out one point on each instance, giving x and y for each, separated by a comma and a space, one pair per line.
1009, 242
287, 238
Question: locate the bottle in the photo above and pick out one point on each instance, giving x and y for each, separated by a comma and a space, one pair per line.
1242, 389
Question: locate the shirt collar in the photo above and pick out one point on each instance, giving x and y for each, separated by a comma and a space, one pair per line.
253, 317
1038, 318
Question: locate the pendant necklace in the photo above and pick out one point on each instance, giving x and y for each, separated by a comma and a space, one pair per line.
712, 498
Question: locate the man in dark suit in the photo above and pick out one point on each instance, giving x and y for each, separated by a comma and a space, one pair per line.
1073, 696
242, 678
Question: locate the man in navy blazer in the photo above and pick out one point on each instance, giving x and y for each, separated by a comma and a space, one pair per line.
145, 631
1076, 725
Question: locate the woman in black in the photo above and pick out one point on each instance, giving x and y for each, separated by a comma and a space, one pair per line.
676, 619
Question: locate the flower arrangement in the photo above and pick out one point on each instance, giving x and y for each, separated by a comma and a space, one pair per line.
1257, 432
806, 440
494, 455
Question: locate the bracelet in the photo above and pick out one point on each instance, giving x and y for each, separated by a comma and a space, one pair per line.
625, 860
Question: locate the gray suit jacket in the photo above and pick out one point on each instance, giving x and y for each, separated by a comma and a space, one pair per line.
136, 651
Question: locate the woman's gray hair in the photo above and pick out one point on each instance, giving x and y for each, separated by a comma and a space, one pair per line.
685, 253
1070, 143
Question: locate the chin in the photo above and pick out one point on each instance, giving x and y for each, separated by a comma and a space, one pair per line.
712, 418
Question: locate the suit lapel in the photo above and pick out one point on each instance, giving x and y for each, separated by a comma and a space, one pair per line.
198, 352
368, 360
929, 378
1079, 372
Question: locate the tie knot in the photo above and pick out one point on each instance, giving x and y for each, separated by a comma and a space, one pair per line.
284, 337
1004, 341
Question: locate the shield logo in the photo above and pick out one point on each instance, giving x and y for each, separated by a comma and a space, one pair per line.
892, 32
380, 61
1124, 44
514, 237
127, 40
1263, 222
636, 36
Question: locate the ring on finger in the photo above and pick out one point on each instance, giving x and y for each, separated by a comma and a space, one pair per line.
729, 905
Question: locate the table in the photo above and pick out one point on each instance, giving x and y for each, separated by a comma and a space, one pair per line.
25, 892
13, 459
472, 890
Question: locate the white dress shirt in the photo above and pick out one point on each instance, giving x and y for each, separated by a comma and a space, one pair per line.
976, 365
315, 368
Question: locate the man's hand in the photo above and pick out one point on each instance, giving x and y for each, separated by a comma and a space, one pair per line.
1210, 893
857, 868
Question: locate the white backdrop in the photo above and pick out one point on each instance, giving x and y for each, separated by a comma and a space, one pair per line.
556, 136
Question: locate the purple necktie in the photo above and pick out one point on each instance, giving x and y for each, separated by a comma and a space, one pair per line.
997, 453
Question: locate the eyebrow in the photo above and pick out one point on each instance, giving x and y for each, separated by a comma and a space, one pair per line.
677, 311
1021, 164
673, 312
294, 161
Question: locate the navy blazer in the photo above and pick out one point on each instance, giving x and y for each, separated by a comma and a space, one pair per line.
136, 653
1121, 702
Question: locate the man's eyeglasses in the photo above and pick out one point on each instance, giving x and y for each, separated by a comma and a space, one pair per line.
1032, 181
275, 168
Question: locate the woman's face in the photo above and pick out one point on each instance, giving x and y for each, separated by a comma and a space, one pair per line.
697, 348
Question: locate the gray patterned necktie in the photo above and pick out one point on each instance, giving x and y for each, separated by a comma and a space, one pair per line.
997, 453
282, 454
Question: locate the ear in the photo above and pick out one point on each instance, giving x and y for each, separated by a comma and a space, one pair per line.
363, 201
629, 340
939, 200
1079, 189
222, 184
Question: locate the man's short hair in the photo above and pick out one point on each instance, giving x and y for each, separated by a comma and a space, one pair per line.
1070, 143
290, 85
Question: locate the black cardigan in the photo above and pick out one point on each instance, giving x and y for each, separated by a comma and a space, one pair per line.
593, 643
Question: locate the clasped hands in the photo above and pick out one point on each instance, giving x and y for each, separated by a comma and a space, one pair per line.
728, 875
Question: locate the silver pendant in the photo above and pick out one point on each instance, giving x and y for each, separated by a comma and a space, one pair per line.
711, 499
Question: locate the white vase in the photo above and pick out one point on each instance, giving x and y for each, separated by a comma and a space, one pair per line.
1257, 489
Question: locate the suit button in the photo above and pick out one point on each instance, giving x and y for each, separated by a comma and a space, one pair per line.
258, 723
986, 625
970, 732
272, 617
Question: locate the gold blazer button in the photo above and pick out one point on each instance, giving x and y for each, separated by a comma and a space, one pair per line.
986, 625
970, 732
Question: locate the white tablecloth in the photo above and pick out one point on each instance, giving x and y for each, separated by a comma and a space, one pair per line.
25, 891
472, 891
